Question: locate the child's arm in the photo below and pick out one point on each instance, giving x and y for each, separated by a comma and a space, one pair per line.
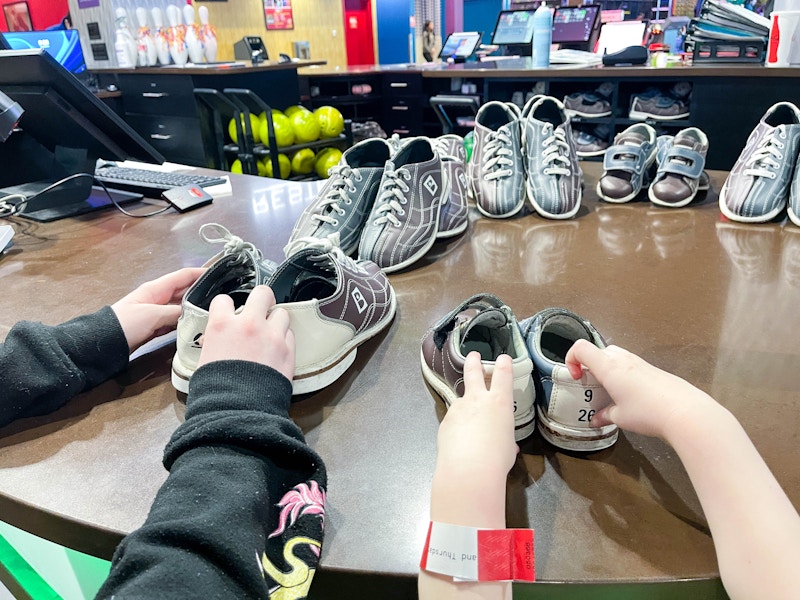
756, 529
476, 450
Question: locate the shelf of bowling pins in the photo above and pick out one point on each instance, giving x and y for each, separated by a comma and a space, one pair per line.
182, 41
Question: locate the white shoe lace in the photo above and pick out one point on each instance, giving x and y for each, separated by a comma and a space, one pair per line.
234, 245
764, 161
342, 178
328, 244
442, 148
496, 155
392, 195
556, 150
395, 142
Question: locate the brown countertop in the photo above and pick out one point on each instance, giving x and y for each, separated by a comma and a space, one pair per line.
521, 68
223, 69
709, 300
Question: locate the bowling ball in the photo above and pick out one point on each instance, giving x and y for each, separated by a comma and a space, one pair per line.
293, 109
469, 142
331, 121
284, 133
255, 126
283, 163
305, 126
236, 166
303, 161
327, 158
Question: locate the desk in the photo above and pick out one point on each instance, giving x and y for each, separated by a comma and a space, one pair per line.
159, 102
713, 302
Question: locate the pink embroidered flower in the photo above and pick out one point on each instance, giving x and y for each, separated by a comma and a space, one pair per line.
300, 500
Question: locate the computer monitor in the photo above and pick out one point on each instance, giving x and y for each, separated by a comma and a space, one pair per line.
576, 26
618, 36
460, 45
63, 44
63, 131
513, 27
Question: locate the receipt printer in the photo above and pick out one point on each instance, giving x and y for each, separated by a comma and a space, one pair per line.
250, 47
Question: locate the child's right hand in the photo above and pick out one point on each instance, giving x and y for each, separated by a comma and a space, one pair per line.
646, 400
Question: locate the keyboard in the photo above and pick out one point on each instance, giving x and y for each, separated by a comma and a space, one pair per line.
575, 57
150, 183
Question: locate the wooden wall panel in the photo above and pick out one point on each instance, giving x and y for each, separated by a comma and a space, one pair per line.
314, 21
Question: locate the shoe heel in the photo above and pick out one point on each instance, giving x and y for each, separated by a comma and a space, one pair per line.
180, 376
311, 382
576, 440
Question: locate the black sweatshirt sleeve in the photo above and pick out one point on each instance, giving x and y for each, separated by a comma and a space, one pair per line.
241, 513
42, 367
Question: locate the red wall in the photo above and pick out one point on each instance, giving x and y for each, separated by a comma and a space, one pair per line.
44, 13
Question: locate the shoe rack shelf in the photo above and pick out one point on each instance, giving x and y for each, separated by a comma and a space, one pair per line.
233, 102
726, 101
358, 96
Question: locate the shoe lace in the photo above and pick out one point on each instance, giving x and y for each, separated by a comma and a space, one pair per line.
342, 181
556, 150
496, 155
391, 199
394, 142
214, 233
328, 244
764, 161
442, 148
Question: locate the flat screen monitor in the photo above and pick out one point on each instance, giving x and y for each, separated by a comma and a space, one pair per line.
64, 45
513, 28
460, 45
618, 36
64, 129
576, 24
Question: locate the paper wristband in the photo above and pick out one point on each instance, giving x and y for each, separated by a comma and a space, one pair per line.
470, 554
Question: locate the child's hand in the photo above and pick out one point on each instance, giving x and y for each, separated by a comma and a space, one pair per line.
477, 434
646, 399
254, 334
153, 308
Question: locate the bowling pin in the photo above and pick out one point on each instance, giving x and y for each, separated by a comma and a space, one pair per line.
208, 34
194, 43
160, 37
146, 47
177, 42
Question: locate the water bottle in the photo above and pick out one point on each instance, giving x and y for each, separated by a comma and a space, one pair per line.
542, 36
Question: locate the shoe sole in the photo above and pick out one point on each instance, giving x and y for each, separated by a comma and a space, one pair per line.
794, 218
574, 113
576, 440
180, 378
507, 215
723, 207
641, 116
679, 204
308, 382
330, 372
448, 233
448, 395
591, 153
548, 215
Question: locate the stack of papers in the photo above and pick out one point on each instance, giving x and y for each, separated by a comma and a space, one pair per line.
720, 21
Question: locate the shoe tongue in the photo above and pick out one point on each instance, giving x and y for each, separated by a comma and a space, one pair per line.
630, 137
492, 318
